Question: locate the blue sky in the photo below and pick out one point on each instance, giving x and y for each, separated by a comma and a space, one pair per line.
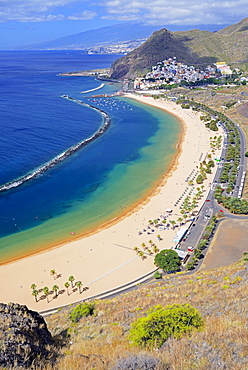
24, 22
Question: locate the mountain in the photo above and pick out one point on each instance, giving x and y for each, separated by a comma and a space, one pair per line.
108, 35
195, 47
98, 37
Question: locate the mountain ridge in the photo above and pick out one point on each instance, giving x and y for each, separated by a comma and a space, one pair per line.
194, 47
106, 35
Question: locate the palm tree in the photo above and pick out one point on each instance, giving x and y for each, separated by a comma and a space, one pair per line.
33, 286
71, 279
185, 216
35, 293
173, 223
180, 220
136, 249
79, 285
55, 289
53, 273
46, 292
141, 254
143, 245
66, 285
155, 249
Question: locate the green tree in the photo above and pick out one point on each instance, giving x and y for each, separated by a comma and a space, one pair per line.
164, 322
79, 284
173, 223
180, 220
66, 285
197, 253
35, 294
55, 289
46, 292
190, 266
168, 260
71, 279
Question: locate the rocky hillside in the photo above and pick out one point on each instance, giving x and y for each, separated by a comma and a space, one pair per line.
99, 338
24, 337
195, 47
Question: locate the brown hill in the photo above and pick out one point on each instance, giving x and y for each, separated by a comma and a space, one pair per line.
194, 47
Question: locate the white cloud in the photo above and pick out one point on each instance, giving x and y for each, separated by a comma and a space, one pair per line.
34, 10
177, 11
85, 15
162, 12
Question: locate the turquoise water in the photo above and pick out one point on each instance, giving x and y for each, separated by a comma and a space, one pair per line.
92, 186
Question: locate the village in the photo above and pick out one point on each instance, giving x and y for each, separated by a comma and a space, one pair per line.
171, 72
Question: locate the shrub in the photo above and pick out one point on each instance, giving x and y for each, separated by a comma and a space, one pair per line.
162, 323
157, 275
82, 310
137, 362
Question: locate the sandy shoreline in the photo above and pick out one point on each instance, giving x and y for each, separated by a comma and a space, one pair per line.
105, 260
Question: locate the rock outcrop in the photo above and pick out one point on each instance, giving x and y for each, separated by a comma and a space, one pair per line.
24, 337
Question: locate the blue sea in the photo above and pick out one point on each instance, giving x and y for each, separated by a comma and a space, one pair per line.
94, 185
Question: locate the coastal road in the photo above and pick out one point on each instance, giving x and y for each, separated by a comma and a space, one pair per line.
211, 207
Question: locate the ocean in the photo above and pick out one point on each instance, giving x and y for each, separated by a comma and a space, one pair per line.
93, 185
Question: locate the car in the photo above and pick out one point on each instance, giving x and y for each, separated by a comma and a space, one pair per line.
190, 249
207, 200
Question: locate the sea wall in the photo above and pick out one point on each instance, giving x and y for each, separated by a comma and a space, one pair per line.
61, 157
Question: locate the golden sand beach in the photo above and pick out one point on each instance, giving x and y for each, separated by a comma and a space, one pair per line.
104, 259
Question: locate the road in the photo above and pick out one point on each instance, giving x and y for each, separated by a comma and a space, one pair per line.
211, 207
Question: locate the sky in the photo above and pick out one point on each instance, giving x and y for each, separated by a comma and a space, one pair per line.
26, 22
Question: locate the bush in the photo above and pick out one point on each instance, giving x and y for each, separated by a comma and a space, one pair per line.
82, 310
162, 323
157, 275
137, 362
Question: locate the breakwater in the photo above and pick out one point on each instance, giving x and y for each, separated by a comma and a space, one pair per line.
96, 88
62, 156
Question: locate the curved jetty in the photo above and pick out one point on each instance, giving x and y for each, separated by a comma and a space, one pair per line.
61, 157
96, 88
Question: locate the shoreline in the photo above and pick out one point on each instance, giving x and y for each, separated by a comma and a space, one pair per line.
154, 190
111, 245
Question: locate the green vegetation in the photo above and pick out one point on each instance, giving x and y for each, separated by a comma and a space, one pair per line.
82, 310
157, 275
234, 205
207, 235
168, 260
162, 323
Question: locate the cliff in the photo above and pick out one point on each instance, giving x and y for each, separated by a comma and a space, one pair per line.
24, 337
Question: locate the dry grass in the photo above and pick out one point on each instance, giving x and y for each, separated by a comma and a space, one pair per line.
98, 342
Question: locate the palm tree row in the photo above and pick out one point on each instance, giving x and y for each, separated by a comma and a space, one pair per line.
146, 249
46, 291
